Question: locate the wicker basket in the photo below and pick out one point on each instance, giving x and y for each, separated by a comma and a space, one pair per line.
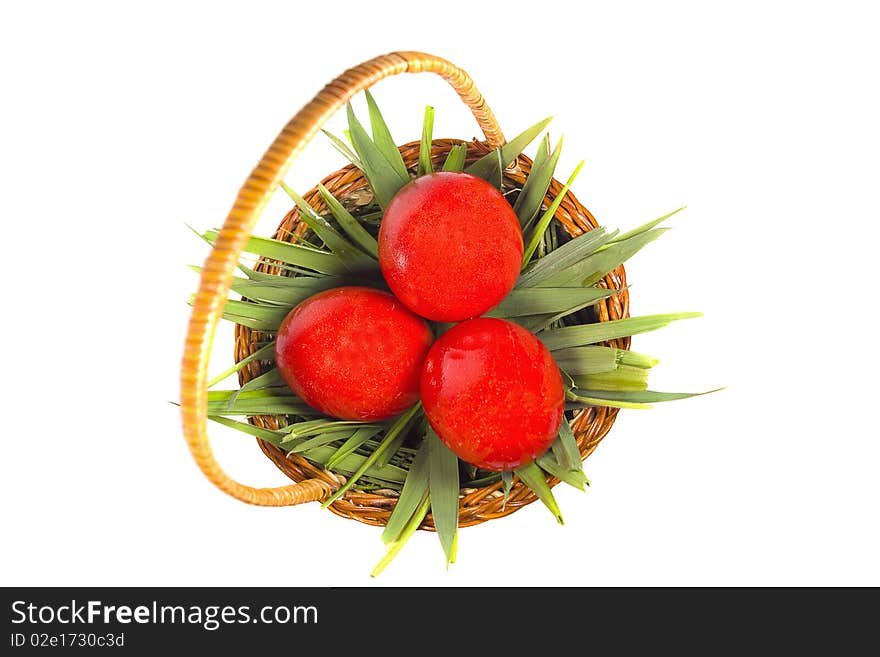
348, 184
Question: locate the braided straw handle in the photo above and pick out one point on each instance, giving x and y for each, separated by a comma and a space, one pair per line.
216, 275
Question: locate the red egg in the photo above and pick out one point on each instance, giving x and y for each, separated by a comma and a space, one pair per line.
450, 246
493, 393
354, 353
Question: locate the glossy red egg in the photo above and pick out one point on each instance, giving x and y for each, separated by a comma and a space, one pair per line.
354, 353
450, 246
493, 393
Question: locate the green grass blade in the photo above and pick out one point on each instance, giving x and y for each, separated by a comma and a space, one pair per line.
547, 217
542, 300
256, 316
324, 425
540, 322
565, 448
384, 179
580, 399
425, 165
383, 139
496, 177
487, 166
542, 153
414, 490
320, 440
407, 533
343, 148
395, 445
456, 158
531, 476
444, 491
593, 268
355, 260
530, 199
576, 336
266, 352
352, 227
399, 425
644, 228
623, 379
297, 255
507, 484
270, 379
561, 259
641, 397
257, 402
390, 474
268, 435
586, 360
574, 478
285, 290
635, 359
357, 439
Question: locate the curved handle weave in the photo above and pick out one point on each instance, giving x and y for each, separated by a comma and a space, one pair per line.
216, 275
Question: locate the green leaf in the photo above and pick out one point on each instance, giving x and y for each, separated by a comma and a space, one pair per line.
444, 491
261, 276
538, 323
357, 439
256, 402
405, 535
414, 490
383, 139
640, 397
391, 474
270, 379
266, 352
634, 359
531, 476
256, 316
323, 425
343, 148
561, 259
352, 227
294, 254
581, 399
488, 165
576, 336
565, 448
354, 260
425, 165
319, 441
542, 153
547, 217
496, 176
384, 179
268, 435
285, 291
574, 478
623, 379
586, 360
644, 228
542, 300
507, 484
530, 199
456, 158
399, 425
593, 268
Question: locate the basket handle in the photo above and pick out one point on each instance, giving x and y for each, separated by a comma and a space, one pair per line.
216, 275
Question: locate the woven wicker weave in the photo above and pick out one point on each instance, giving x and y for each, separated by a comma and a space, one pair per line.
348, 184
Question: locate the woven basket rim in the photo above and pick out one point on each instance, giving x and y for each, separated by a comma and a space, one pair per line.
476, 505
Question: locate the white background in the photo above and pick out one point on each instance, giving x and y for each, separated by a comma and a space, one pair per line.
121, 122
